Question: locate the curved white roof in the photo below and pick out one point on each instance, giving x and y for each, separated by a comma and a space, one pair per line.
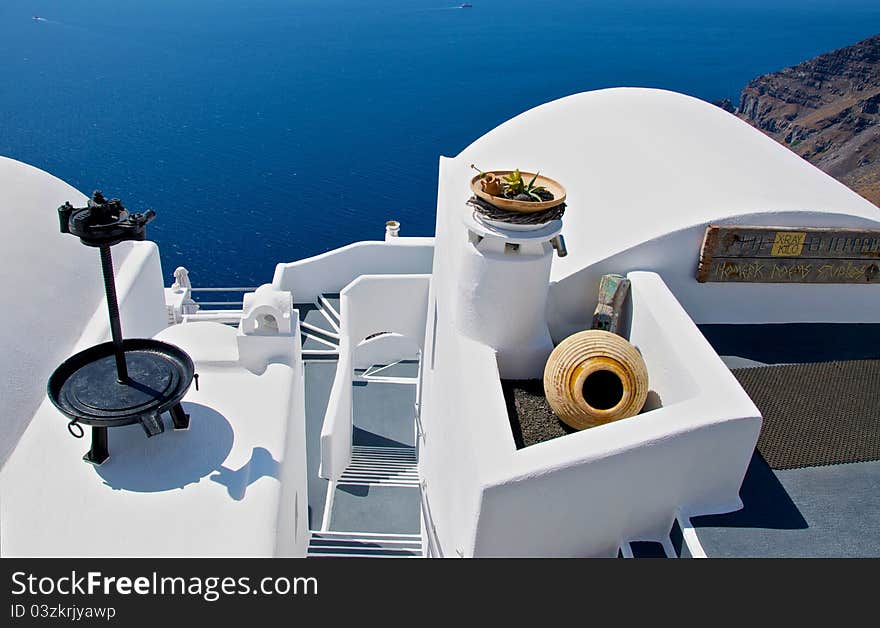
51, 286
640, 163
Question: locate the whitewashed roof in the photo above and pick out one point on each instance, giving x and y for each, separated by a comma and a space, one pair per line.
51, 286
640, 163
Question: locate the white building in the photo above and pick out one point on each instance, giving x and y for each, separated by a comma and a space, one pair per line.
365, 414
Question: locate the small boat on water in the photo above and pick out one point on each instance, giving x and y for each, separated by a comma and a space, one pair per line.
466, 5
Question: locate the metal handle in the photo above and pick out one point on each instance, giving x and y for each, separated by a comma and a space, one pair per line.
74, 424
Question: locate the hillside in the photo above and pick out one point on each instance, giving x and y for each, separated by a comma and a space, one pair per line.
827, 110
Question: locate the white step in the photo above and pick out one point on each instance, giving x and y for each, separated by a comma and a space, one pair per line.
368, 451
326, 342
329, 311
412, 381
317, 331
330, 544
382, 466
319, 354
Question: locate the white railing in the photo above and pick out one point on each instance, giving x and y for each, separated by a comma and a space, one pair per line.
185, 309
216, 316
230, 305
433, 544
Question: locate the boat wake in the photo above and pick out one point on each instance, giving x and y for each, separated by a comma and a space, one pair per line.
37, 18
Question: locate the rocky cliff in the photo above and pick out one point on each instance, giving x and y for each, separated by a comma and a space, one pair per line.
827, 110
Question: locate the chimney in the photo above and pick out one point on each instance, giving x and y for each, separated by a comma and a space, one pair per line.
392, 229
503, 281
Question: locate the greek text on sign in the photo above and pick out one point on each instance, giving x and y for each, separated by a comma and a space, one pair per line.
789, 255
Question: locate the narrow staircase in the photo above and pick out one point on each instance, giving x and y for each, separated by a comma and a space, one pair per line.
373, 509
381, 466
364, 545
373, 467
319, 327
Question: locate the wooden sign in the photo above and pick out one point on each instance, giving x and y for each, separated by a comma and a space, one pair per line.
789, 255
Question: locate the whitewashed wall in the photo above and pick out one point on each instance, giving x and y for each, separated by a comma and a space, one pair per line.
332, 271
586, 493
674, 257
292, 537
466, 435
140, 293
461, 394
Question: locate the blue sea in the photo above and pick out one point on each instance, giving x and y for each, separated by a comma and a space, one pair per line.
272, 130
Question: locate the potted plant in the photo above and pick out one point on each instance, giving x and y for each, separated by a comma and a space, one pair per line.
517, 191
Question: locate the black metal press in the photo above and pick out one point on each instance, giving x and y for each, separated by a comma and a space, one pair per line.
121, 382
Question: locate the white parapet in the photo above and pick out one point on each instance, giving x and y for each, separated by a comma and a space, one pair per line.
584, 493
308, 278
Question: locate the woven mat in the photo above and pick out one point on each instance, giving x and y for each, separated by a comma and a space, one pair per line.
816, 414
517, 218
